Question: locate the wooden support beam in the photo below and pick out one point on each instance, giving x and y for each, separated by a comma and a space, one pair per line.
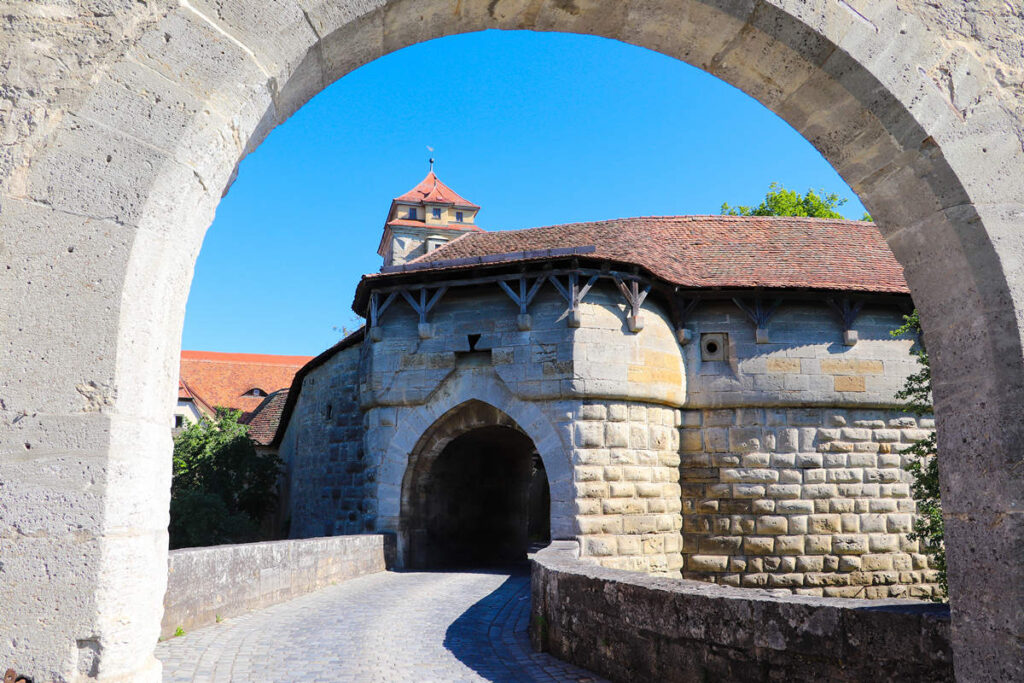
573, 294
634, 297
846, 311
377, 310
759, 313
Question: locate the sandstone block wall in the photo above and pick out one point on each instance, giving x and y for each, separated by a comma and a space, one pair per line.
803, 362
814, 500
625, 460
323, 452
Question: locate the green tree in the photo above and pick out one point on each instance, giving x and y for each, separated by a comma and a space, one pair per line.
222, 488
916, 395
782, 202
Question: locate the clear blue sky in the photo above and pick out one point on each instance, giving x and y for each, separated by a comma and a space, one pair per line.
536, 128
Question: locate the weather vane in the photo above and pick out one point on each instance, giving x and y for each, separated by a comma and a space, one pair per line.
431, 150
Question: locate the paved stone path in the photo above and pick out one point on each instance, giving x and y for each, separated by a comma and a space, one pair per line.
392, 626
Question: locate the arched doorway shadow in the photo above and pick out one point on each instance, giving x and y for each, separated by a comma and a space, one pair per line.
475, 492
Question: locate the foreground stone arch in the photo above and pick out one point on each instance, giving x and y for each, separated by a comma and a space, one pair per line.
124, 125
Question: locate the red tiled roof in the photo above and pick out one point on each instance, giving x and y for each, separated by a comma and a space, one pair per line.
432, 190
185, 393
423, 224
703, 251
223, 379
265, 419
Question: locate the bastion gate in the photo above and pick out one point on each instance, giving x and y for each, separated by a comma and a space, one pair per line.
123, 125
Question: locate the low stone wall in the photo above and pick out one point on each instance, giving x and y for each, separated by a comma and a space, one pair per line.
633, 627
226, 580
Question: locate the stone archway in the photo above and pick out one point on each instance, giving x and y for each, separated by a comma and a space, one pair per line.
117, 150
466, 492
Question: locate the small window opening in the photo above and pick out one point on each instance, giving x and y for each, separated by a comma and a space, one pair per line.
329, 411
458, 216
179, 421
257, 392
412, 214
437, 213
473, 339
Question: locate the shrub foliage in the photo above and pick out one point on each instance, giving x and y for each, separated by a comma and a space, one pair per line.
222, 488
916, 395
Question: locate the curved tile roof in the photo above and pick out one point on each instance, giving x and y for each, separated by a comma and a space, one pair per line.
700, 251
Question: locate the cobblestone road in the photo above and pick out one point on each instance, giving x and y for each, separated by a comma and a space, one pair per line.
408, 626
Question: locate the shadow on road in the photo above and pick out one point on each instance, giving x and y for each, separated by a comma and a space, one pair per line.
476, 637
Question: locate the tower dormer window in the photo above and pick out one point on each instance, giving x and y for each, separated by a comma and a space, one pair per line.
412, 214
458, 216
437, 214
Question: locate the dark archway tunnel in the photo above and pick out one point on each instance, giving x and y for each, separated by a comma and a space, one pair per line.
480, 502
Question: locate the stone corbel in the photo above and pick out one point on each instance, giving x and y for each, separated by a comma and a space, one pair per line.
759, 313
422, 306
846, 311
523, 299
634, 299
573, 295
376, 311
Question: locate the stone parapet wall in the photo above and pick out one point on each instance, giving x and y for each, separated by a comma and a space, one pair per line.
625, 459
630, 627
204, 584
811, 500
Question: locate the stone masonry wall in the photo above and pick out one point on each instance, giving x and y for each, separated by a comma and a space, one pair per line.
813, 500
625, 457
323, 451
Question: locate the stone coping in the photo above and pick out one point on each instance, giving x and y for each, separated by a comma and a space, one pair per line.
632, 626
205, 584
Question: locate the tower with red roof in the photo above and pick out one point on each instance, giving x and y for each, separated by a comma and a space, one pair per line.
424, 218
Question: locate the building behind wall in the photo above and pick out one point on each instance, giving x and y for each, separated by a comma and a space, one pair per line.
712, 397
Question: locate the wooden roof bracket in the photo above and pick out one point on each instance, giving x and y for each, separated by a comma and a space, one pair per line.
573, 295
759, 313
523, 298
846, 311
634, 297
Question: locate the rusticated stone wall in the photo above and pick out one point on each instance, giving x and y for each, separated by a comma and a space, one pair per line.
814, 500
625, 459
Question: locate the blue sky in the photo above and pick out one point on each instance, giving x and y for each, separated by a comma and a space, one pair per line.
536, 128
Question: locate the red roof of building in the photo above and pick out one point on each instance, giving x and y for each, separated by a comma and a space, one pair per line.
267, 416
185, 393
225, 379
431, 190
698, 251
423, 224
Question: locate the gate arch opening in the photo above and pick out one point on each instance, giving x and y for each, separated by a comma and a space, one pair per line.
476, 492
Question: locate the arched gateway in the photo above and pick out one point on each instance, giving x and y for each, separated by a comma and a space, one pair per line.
117, 150
475, 494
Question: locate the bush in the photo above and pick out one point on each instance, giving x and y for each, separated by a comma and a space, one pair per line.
916, 395
222, 488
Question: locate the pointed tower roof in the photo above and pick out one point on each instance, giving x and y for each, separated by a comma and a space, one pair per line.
431, 190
